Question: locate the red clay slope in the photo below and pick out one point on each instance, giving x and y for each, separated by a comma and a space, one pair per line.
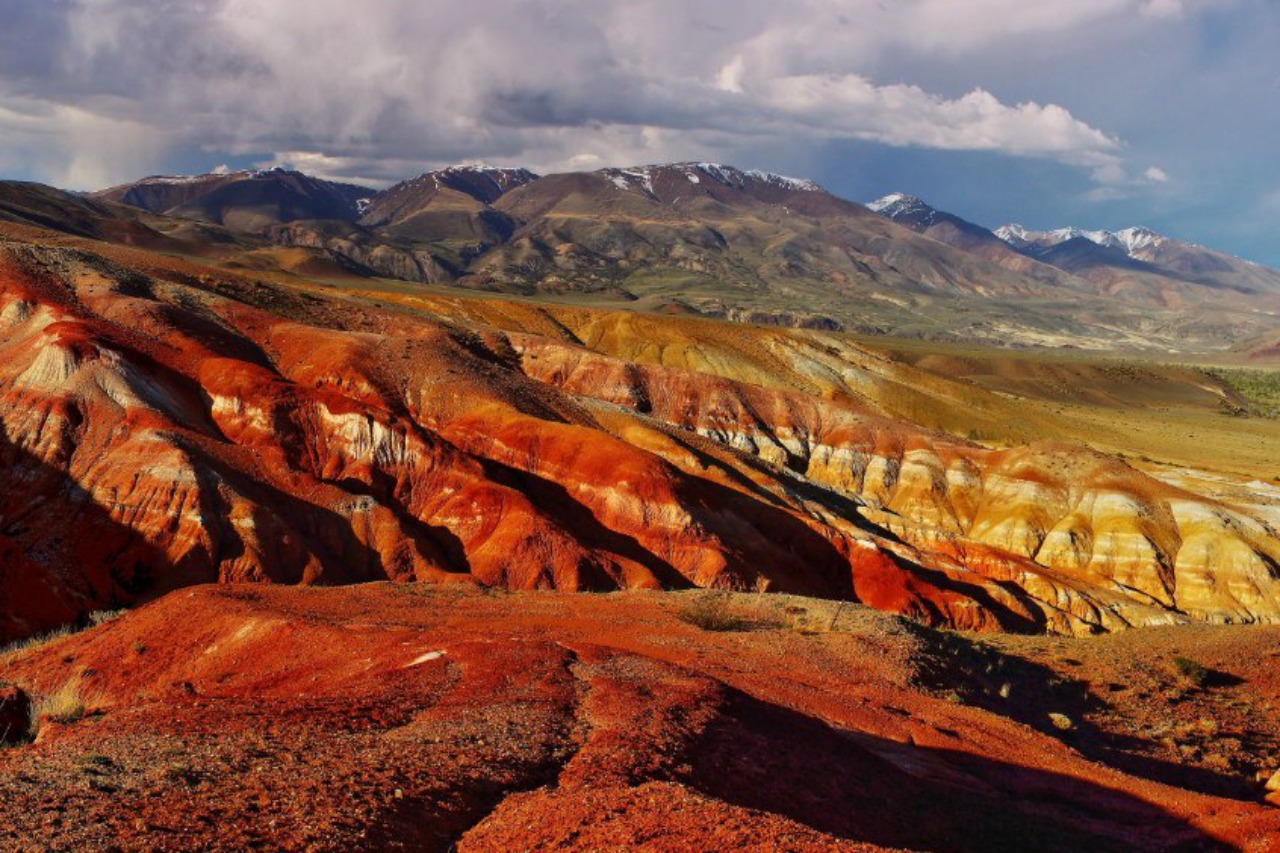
406, 717
165, 425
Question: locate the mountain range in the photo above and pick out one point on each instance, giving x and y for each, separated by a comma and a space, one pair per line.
719, 241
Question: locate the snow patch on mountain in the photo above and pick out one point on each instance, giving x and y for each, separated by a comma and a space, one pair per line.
898, 206
178, 180
643, 177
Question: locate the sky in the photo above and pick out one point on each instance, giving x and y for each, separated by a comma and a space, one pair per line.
1094, 113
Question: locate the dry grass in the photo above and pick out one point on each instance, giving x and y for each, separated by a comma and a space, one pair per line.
710, 611
66, 704
96, 618
38, 640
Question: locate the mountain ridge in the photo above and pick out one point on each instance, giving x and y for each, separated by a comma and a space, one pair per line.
749, 245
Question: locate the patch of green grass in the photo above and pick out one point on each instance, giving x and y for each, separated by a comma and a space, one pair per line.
1260, 388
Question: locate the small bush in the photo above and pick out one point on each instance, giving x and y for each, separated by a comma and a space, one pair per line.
96, 764
181, 772
64, 705
710, 612
1195, 673
101, 617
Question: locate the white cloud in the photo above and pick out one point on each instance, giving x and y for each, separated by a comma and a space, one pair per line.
729, 78
1163, 8
908, 115
1114, 182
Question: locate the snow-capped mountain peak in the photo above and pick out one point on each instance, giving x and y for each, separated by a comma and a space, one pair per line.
895, 204
1137, 239
1014, 234
783, 181
643, 177
1131, 241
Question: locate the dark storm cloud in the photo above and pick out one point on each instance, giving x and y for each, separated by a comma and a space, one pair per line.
557, 81
98, 91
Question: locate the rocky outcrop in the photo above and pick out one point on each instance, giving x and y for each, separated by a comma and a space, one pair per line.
15, 714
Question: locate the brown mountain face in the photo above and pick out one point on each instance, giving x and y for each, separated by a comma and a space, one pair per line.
162, 193
444, 189
950, 229
244, 201
184, 422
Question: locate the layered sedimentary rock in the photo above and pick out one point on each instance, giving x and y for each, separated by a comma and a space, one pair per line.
162, 426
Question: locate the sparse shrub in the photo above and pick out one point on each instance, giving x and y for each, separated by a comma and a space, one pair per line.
1061, 722
1194, 672
711, 612
96, 618
101, 617
64, 705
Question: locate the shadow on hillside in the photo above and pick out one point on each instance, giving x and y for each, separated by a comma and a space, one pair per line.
1031, 693
62, 556
866, 788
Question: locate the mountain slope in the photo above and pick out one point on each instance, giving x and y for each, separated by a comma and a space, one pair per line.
1143, 250
409, 200
950, 229
716, 237
399, 717
1132, 267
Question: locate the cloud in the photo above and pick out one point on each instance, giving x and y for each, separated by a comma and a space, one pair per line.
1115, 183
405, 84
71, 146
908, 115
1163, 9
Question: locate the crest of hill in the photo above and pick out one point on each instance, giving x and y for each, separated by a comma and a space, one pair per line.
249, 201
447, 204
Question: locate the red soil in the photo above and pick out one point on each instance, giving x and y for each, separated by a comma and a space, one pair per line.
409, 717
